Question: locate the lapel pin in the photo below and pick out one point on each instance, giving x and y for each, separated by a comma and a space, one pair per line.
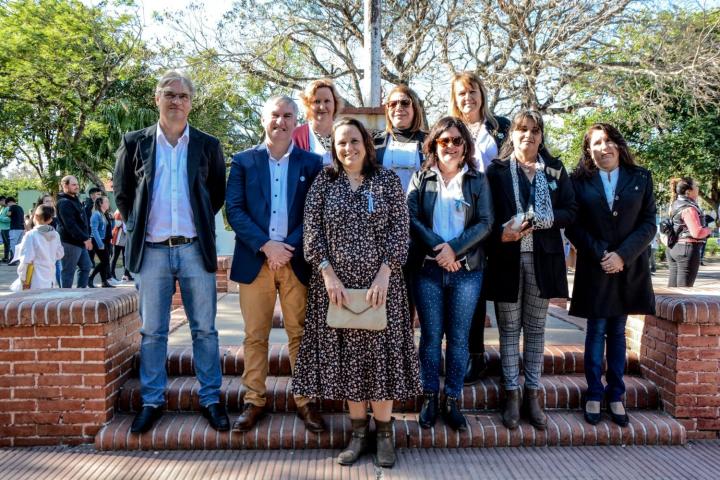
302, 178
636, 187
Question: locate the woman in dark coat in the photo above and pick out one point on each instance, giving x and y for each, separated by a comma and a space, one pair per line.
615, 224
533, 199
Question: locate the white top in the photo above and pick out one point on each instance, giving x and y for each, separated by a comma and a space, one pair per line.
609, 181
485, 148
449, 211
278, 228
403, 158
42, 247
170, 211
317, 147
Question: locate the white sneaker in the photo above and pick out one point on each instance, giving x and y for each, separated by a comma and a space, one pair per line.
113, 282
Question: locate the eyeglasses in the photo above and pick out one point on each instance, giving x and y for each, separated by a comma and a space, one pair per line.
170, 96
446, 141
392, 104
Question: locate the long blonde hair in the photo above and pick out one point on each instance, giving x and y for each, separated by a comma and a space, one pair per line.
470, 79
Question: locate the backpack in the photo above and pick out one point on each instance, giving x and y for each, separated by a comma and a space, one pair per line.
667, 228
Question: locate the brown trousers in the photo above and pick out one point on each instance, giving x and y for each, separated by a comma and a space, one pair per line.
257, 304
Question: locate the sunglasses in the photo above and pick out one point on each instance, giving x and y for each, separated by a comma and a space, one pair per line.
446, 141
403, 103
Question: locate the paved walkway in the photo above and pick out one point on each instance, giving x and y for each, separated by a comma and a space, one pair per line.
697, 460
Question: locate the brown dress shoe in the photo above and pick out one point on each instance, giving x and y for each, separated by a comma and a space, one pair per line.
249, 417
313, 420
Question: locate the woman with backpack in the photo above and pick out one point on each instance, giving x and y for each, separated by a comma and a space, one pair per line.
615, 223
688, 225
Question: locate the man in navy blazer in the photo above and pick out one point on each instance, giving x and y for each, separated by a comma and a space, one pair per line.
265, 201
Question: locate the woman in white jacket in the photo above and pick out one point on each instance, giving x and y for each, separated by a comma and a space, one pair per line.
40, 248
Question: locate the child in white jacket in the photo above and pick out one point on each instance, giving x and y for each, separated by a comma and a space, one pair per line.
41, 248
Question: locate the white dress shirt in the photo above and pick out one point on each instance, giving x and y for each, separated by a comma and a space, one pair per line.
170, 210
485, 148
278, 228
609, 181
449, 211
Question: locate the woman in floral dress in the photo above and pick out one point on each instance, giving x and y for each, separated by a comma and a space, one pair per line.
356, 237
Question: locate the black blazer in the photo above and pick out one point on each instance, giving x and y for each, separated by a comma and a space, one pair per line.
421, 197
502, 277
627, 230
133, 185
248, 208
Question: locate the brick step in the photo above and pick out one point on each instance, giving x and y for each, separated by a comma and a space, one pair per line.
561, 359
188, 431
560, 392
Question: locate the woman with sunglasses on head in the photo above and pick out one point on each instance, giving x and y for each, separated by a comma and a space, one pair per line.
450, 215
533, 199
399, 147
322, 104
468, 101
614, 226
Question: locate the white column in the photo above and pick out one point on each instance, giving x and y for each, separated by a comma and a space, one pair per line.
371, 89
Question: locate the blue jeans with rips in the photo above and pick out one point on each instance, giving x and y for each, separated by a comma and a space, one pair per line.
75, 257
161, 267
605, 334
445, 302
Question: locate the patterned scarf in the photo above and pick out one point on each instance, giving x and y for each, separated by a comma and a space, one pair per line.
542, 209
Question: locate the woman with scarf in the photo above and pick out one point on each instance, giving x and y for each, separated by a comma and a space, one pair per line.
533, 199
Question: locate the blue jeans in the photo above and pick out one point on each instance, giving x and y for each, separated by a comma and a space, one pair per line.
445, 302
75, 257
161, 267
595, 343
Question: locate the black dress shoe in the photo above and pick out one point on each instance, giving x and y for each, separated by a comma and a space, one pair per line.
145, 420
451, 413
620, 419
476, 369
216, 416
591, 418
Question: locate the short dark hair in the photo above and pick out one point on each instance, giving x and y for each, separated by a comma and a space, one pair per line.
370, 164
586, 166
94, 190
443, 125
10, 199
44, 213
684, 184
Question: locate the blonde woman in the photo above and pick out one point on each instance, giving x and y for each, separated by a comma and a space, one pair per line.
322, 104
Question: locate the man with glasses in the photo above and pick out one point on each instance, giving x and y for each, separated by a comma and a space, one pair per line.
169, 184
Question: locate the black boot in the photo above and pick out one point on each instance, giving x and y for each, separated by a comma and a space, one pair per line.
451, 413
385, 453
429, 411
511, 410
476, 369
358, 442
533, 410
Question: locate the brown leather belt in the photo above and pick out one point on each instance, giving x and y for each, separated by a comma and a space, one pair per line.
174, 241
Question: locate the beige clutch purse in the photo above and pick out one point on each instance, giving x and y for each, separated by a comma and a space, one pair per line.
358, 313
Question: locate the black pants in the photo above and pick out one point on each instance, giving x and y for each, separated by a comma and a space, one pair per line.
103, 268
117, 252
684, 262
6, 243
476, 341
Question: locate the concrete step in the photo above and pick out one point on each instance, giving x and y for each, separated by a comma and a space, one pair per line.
190, 431
560, 392
561, 359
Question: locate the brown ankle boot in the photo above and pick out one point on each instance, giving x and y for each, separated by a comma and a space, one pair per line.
533, 410
358, 442
511, 410
385, 443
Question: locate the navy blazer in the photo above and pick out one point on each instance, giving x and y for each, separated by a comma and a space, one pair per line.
247, 202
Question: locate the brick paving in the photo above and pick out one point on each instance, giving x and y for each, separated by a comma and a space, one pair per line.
696, 460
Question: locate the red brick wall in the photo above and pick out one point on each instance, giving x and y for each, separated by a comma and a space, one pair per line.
63, 356
680, 352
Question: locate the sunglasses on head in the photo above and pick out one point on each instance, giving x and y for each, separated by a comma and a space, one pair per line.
446, 141
403, 103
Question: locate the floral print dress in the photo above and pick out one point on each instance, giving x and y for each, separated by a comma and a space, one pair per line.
357, 231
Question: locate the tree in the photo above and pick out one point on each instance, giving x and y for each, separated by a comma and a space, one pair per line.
63, 64
530, 52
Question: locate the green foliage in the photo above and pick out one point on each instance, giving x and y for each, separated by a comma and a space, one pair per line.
712, 248
12, 188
